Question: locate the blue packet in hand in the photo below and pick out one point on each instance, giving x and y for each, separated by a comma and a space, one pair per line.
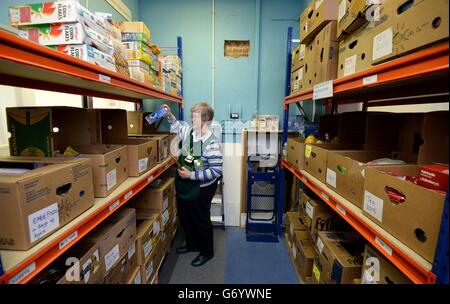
156, 115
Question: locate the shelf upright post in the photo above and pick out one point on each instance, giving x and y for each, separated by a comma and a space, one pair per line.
180, 54
282, 170
441, 260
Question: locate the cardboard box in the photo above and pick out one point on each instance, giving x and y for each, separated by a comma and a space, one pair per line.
167, 236
147, 238
162, 144
294, 222
135, 27
109, 166
378, 270
346, 171
46, 131
42, 195
411, 26
139, 64
122, 272
351, 16
320, 217
325, 54
303, 253
315, 17
341, 256
130, 37
136, 277
296, 79
89, 269
137, 46
150, 268
67, 33
155, 198
298, 57
88, 53
115, 235
142, 154
139, 55
134, 121
107, 124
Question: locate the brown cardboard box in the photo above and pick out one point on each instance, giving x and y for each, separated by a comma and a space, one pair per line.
89, 268
156, 198
411, 26
318, 271
387, 272
296, 79
308, 63
320, 217
351, 16
46, 131
134, 122
315, 17
294, 222
147, 237
296, 152
134, 27
316, 157
162, 144
142, 154
325, 54
150, 268
167, 237
341, 256
107, 124
41, 195
298, 56
356, 281
115, 236
136, 277
122, 272
304, 255
109, 166
346, 169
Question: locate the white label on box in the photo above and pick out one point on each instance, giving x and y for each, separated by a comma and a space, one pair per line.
112, 257
342, 9
294, 251
43, 222
165, 203
320, 244
331, 177
132, 250
370, 79
325, 196
150, 178
23, 274
323, 90
296, 84
373, 205
143, 163
300, 74
128, 194
68, 239
165, 217
148, 248
86, 270
382, 44
156, 228
302, 51
385, 246
104, 78
114, 205
341, 210
291, 229
309, 209
111, 179
137, 279
350, 65
318, 3
149, 271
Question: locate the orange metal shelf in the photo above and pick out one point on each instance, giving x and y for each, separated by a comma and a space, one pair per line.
27, 64
44, 253
407, 261
405, 76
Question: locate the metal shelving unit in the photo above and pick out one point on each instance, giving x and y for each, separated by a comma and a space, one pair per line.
421, 77
30, 65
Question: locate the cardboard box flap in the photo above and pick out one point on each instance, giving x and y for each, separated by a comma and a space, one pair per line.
143, 226
122, 216
435, 147
97, 149
352, 127
130, 141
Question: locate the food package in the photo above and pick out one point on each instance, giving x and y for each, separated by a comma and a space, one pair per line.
138, 55
385, 161
139, 63
128, 37
67, 33
88, 53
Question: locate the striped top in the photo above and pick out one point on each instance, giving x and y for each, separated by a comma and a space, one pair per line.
211, 157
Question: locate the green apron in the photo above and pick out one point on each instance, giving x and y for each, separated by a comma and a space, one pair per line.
191, 159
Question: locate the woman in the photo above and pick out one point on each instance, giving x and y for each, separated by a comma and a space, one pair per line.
200, 167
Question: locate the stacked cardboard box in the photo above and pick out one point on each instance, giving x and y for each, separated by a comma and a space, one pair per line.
147, 244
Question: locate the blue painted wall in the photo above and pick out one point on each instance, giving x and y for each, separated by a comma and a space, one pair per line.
243, 80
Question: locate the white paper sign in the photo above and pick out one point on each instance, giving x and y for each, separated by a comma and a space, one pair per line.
156, 228
304, 180
385, 246
150, 178
370, 79
309, 209
320, 245
341, 210
291, 229
373, 205
137, 279
23, 274
114, 205
68, 239
294, 251
302, 51
86, 269
128, 194
323, 90
148, 248
143, 164
350, 65
149, 271
42, 222
111, 179
331, 177
382, 44
104, 78
165, 217
112, 257
325, 196
342, 9
132, 250
165, 203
